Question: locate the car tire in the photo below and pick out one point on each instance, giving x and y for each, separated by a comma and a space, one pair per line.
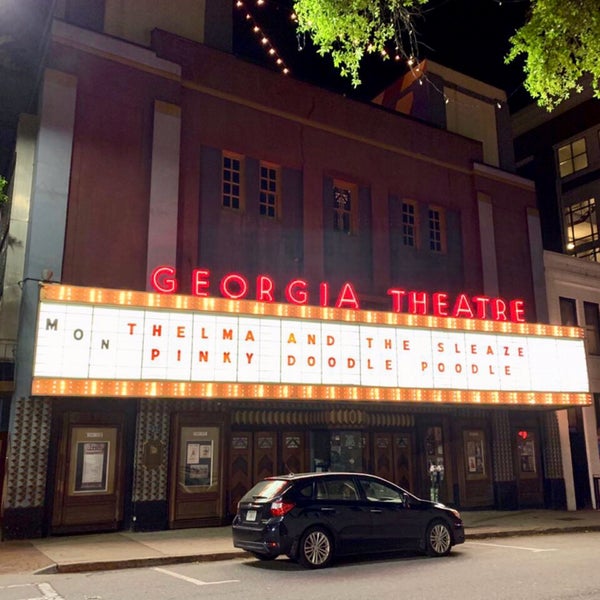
263, 556
316, 548
438, 539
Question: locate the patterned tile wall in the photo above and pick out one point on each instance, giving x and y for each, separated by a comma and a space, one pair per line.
501, 447
152, 451
552, 455
28, 453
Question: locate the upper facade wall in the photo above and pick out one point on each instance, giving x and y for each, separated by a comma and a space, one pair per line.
315, 137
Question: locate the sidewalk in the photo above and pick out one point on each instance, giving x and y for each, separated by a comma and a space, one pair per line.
94, 552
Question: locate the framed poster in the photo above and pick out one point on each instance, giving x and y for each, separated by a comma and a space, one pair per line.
92, 460
199, 462
474, 452
92, 466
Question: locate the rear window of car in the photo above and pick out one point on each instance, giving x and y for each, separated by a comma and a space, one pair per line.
265, 490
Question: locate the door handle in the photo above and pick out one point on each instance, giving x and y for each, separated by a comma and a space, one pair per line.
375, 510
328, 509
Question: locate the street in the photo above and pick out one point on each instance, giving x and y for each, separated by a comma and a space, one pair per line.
540, 567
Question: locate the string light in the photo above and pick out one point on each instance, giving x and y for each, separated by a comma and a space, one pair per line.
263, 38
412, 60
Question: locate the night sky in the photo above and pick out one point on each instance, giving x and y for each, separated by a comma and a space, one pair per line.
470, 36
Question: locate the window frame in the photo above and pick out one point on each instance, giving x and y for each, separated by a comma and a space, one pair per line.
581, 246
404, 225
591, 318
570, 158
231, 196
275, 195
352, 188
568, 311
441, 243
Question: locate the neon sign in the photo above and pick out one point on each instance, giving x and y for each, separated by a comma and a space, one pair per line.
235, 286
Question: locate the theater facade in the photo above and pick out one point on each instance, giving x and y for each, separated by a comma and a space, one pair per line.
221, 273
293, 387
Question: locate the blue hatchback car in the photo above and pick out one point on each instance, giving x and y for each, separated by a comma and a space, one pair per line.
314, 517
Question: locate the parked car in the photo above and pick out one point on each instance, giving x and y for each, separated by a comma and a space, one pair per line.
314, 517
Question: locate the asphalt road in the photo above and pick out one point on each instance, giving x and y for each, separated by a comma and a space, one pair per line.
541, 567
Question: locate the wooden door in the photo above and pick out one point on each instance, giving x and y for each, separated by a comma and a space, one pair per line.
196, 472
403, 460
293, 452
530, 487
383, 455
475, 467
240, 468
265, 455
89, 477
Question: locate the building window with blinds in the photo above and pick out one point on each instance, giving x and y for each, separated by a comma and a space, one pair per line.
572, 157
581, 229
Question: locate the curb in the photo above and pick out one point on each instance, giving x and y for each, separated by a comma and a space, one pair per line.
523, 532
134, 563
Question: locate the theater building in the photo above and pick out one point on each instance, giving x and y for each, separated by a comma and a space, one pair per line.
224, 273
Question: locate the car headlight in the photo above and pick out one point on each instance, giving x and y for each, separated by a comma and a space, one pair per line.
455, 513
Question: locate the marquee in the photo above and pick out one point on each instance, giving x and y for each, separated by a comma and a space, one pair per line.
99, 342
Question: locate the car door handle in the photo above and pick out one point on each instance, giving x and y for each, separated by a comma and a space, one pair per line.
327, 509
375, 510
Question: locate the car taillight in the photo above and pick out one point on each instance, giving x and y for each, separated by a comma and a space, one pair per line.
280, 508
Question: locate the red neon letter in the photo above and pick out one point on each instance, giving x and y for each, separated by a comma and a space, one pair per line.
323, 294
163, 280
417, 303
517, 311
481, 303
462, 308
440, 304
264, 288
239, 280
397, 296
200, 282
347, 297
499, 309
295, 292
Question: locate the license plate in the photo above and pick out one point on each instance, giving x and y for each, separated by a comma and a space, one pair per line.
251, 515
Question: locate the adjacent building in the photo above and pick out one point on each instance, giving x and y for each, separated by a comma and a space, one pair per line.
219, 273
560, 151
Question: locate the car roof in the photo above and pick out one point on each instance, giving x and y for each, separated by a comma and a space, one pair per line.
297, 476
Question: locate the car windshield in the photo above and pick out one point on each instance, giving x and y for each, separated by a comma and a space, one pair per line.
265, 490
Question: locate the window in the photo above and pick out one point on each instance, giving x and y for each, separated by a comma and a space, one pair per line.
437, 239
336, 489
572, 157
568, 311
581, 229
378, 491
592, 327
409, 224
269, 191
232, 181
344, 195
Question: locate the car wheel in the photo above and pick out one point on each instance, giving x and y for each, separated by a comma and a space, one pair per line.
438, 539
316, 548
